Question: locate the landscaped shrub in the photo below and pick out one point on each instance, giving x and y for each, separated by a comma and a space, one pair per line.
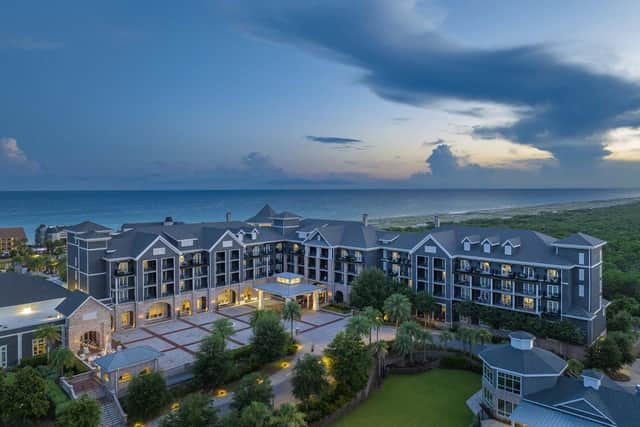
34, 361
461, 363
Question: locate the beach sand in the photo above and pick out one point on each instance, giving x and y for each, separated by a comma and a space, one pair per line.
427, 220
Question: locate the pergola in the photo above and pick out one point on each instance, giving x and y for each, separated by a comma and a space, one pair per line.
288, 286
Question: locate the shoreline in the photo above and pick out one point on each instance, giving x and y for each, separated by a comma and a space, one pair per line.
417, 221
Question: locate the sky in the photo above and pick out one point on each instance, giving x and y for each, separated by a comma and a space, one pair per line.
319, 94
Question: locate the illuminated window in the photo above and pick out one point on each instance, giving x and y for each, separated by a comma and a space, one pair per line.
505, 299
125, 377
552, 275
38, 346
506, 269
528, 303
485, 267
145, 371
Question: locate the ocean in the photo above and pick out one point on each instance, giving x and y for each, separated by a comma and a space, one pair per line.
31, 208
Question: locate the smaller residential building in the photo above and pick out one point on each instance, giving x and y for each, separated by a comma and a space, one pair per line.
28, 302
526, 387
11, 238
46, 233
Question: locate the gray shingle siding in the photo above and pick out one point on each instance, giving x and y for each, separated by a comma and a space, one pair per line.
528, 248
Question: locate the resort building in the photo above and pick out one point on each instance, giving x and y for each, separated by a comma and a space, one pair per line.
11, 238
29, 302
152, 271
526, 386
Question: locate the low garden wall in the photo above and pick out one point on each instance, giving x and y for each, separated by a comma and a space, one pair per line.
568, 351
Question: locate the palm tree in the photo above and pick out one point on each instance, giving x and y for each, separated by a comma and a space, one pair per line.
407, 336
374, 317
291, 312
50, 333
224, 327
60, 359
403, 345
483, 336
425, 337
359, 325
287, 415
398, 308
445, 338
468, 338
424, 304
381, 349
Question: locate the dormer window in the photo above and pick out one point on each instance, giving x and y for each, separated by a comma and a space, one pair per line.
467, 246
486, 248
507, 249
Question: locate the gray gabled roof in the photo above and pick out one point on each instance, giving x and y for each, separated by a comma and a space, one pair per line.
128, 357
286, 215
535, 361
72, 302
86, 226
610, 401
579, 239
17, 289
530, 414
263, 216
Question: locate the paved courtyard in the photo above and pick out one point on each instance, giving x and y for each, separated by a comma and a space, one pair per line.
180, 339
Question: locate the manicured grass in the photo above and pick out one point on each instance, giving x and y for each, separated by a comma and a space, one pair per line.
435, 398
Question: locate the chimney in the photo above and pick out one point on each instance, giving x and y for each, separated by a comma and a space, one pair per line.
436, 221
228, 216
365, 219
168, 221
591, 378
637, 389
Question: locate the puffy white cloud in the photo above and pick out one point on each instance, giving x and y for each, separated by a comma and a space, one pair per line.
12, 157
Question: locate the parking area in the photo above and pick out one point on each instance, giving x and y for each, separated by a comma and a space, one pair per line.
180, 339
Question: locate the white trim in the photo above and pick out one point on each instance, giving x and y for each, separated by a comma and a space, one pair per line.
84, 302
560, 245
559, 409
520, 373
580, 410
161, 239
225, 234
425, 240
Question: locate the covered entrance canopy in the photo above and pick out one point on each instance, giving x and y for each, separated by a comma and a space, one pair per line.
288, 286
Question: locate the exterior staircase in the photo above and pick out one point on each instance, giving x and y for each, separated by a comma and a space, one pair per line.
110, 415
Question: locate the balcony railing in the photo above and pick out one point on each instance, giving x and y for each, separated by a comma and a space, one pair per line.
119, 272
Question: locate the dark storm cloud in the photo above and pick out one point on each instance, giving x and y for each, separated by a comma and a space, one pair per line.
332, 140
561, 104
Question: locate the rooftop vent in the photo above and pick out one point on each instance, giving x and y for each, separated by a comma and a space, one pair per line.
521, 340
365, 219
168, 221
228, 216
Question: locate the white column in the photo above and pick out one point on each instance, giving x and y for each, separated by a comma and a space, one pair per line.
316, 301
19, 348
260, 300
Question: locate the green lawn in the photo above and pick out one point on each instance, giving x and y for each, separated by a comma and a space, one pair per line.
435, 398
